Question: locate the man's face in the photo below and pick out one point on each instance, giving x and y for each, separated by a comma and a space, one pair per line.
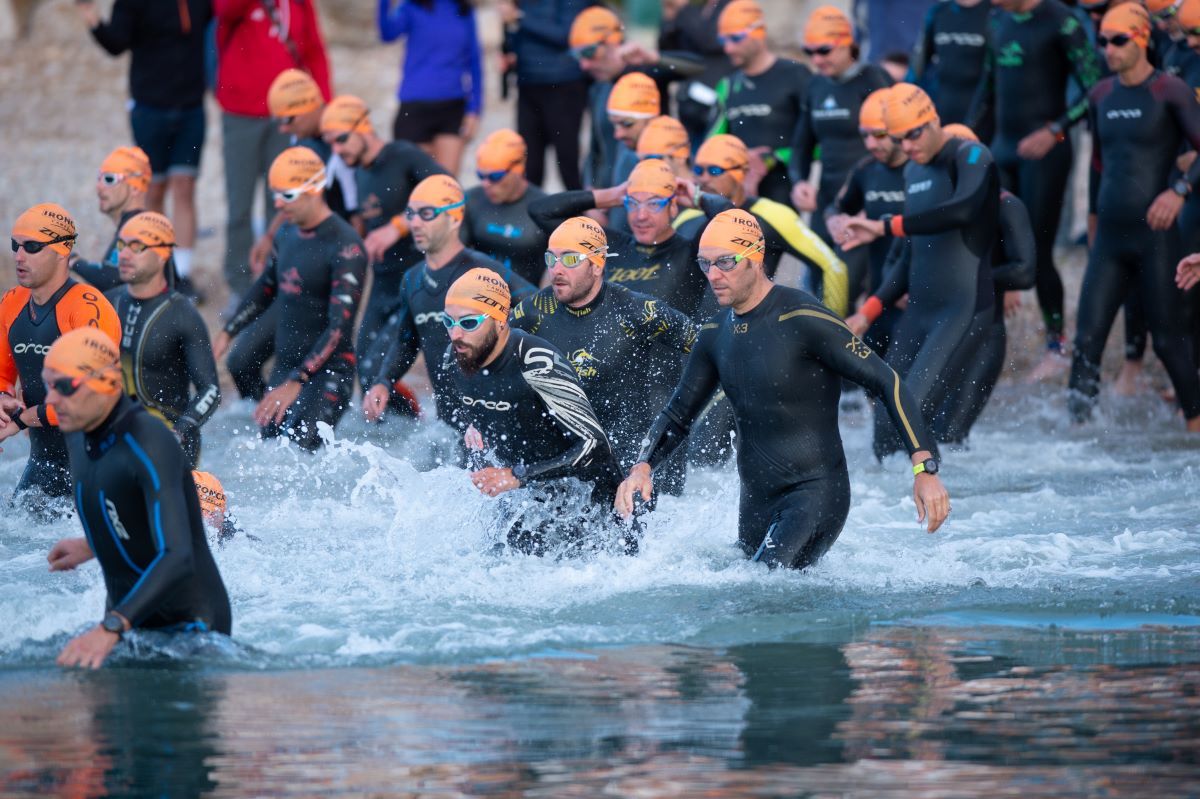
350, 147
300, 210
430, 236
504, 190
649, 217
572, 285
1120, 57
139, 268
604, 64
627, 130
879, 145
921, 144
734, 286
830, 60
36, 270
471, 348
112, 192
741, 48
79, 407
724, 184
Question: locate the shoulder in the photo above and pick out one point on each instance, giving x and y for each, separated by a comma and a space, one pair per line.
183, 309
535, 353
474, 197
1102, 88
800, 308
11, 304
772, 212
972, 153
1165, 86
154, 445
876, 77
787, 66
540, 304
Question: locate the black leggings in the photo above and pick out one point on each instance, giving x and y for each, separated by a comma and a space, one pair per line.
1125, 254
797, 526
324, 398
250, 352
1042, 186
549, 115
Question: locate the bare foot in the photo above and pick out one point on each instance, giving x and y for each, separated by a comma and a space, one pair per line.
1130, 380
1053, 366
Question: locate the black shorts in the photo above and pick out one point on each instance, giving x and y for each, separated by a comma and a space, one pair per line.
420, 121
171, 137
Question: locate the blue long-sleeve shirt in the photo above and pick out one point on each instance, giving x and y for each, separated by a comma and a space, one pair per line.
442, 60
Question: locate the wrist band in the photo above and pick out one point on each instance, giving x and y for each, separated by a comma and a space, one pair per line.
872, 308
19, 422
895, 226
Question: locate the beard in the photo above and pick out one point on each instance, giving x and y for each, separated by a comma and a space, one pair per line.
470, 359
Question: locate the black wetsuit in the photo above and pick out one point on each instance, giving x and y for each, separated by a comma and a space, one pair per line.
1014, 268
1187, 64
765, 111
627, 349
666, 270
316, 278
416, 326
28, 332
950, 218
1139, 131
135, 496
949, 59
781, 366
506, 233
383, 189
875, 189
533, 414
165, 349
104, 274
1031, 60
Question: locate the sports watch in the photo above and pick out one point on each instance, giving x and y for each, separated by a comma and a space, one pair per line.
928, 466
114, 624
519, 471
1181, 187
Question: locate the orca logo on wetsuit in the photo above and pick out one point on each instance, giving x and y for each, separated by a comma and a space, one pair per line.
117, 526
885, 196
962, 39
491, 405
752, 110
1124, 113
36, 349
431, 316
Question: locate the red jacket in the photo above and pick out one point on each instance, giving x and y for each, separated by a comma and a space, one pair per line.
258, 39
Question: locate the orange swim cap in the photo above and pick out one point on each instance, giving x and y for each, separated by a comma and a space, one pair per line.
1159, 6
132, 163
664, 136
439, 191
1128, 18
502, 150
152, 229
723, 150
828, 25
292, 93
595, 25
88, 353
908, 107
871, 112
346, 114
652, 177
483, 291
960, 131
635, 95
582, 235
47, 222
737, 232
1189, 14
212, 498
741, 16
297, 167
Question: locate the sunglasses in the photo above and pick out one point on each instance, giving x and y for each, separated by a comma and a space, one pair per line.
467, 323
699, 170
912, 135
823, 50
568, 259
1116, 40
872, 134
726, 263
34, 247
623, 124
136, 246
345, 137
113, 178
67, 386
653, 204
429, 213
498, 175
291, 195
587, 51
739, 37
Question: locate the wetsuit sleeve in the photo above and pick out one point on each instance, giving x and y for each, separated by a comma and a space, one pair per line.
1096, 163
973, 165
696, 387
552, 210
1081, 57
827, 339
804, 143
676, 65
894, 282
258, 299
556, 383
395, 20
201, 367
983, 103
526, 315
10, 307
1182, 102
798, 239
116, 35
401, 331
662, 324
923, 52
850, 198
1015, 266
345, 291
157, 463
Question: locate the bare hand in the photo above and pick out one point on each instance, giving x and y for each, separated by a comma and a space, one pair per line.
89, 14
1187, 274
635, 54
473, 439
1035, 146
932, 500
221, 344
259, 254
1164, 210
494, 480
836, 225
859, 231
640, 481
69, 553
685, 193
275, 403
375, 402
379, 241
858, 324
1012, 303
804, 197
508, 11
88, 650
469, 127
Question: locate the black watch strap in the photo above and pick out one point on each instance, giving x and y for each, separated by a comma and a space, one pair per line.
114, 624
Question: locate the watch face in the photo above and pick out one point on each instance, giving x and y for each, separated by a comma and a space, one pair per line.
931, 466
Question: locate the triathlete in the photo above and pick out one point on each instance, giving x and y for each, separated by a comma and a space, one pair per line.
214, 506
780, 356
435, 215
164, 343
949, 59
1036, 48
45, 304
497, 211
762, 101
632, 103
828, 130
137, 502
316, 277
386, 173
627, 348
950, 221
1188, 21
655, 260
875, 187
121, 188
1140, 118
666, 139
720, 168
522, 408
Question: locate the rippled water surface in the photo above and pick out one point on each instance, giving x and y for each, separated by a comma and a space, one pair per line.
1044, 643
